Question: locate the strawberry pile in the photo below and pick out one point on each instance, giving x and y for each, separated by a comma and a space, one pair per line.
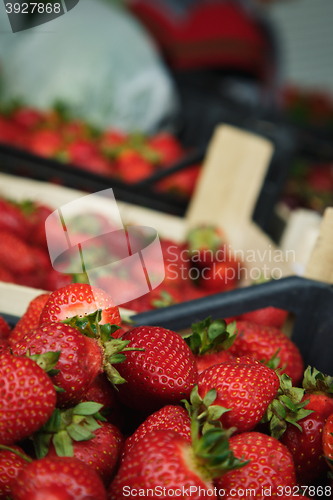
111, 153
90, 411
24, 257
200, 266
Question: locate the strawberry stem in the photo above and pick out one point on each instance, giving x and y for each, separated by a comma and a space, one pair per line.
17, 453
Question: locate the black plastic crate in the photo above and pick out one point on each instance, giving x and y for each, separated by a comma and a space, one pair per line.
310, 301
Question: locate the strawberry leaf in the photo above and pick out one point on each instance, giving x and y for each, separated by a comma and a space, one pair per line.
79, 433
87, 408
63, 444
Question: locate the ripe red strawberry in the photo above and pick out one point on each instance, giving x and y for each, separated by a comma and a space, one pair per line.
181, 183
169, 417
15, 254
318, 391
328, 441
79, 432
79, 362
244, 386
263, 342
304, 442
12, 219
132, 167
80, 151
28, 398
55, 280
221, 277
271, 466
6, 276
167, 146
30, 318
79, 300
12, 461
4, 346
164, 373
267, 316
100, 452
28, 118
58, 478
5, 329
45, 142
166, 463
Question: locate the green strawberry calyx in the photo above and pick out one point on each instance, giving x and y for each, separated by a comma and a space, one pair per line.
113, 349
47, 361
211, 336
315, 381
205, 238
210, 442
66, 426
207, 414
287, 407
165, 300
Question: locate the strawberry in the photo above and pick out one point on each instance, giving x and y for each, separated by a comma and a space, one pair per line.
45, 142
5, 329
304, 442
79, 432
79, 362
263, 342
209, 342
163, 463
6, 276
55, 280
4, 346
79, 300
12, 219
28, 398
15, 254
28, 118
318, 392
80, 151
58, 478
132, 167
244, 386
169, 417
30, 318
180, 183
167, 146
12, 461
221, 277
270, 467
164, 373
328, 441
267, 316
